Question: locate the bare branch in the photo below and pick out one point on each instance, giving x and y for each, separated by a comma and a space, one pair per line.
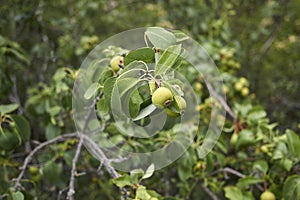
71, 191
104, 161
210, 193
221, 100
35, 150
232, 171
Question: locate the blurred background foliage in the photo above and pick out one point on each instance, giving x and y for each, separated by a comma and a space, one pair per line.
262, 35
42, 43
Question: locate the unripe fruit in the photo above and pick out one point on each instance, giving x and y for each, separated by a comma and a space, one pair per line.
181, 102
181, 105
171, 113
233, 139
243, 80
238, 86
33, 169
198, 87
162, 97
267, 195
264, 149
115, 62
245, 91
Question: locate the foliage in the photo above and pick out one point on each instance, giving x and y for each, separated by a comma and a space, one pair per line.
42, 44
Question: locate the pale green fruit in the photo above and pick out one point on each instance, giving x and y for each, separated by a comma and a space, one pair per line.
171, 113
264, 149
181, 105
245, 91
33, 169
267, 195
198, 87
115, 61
181, 102
238, 86
243, 80
162, 97
233, 139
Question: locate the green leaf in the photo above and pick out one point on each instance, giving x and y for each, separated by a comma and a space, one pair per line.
52, 171
4, 109
180, 36
125, 84
106, 74
59, 75
144, 54
245, 137
261, 165
134, 65
233, 193
287, 164
18, 55
255, 115
142, 194
167, 59
291, 188
149, 172
17, 196
247, 181
102, 107
52, 131
108, 88
135, 175
145, 112
22, 126
122, 181
9, 140
134, 104
280, 151
293, 143
91, 90
185, 166
160, 37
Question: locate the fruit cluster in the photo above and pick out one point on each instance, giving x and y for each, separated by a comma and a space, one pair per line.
242, 86
163, 98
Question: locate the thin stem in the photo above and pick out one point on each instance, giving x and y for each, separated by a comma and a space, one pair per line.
71, 191
35, 150
210, 193
221, 100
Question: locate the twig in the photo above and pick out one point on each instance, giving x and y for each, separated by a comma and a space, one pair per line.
238, 174
35, 150
232, 171
221, 100
210, 193
104, 161
71, 191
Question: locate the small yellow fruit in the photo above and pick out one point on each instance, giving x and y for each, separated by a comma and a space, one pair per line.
181, 102
267, 195
171, 113
115, 62
238, 86
245, 91
264, 149
226, 89
198, 87
233, 139
33, 169
243, 80
162, 97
